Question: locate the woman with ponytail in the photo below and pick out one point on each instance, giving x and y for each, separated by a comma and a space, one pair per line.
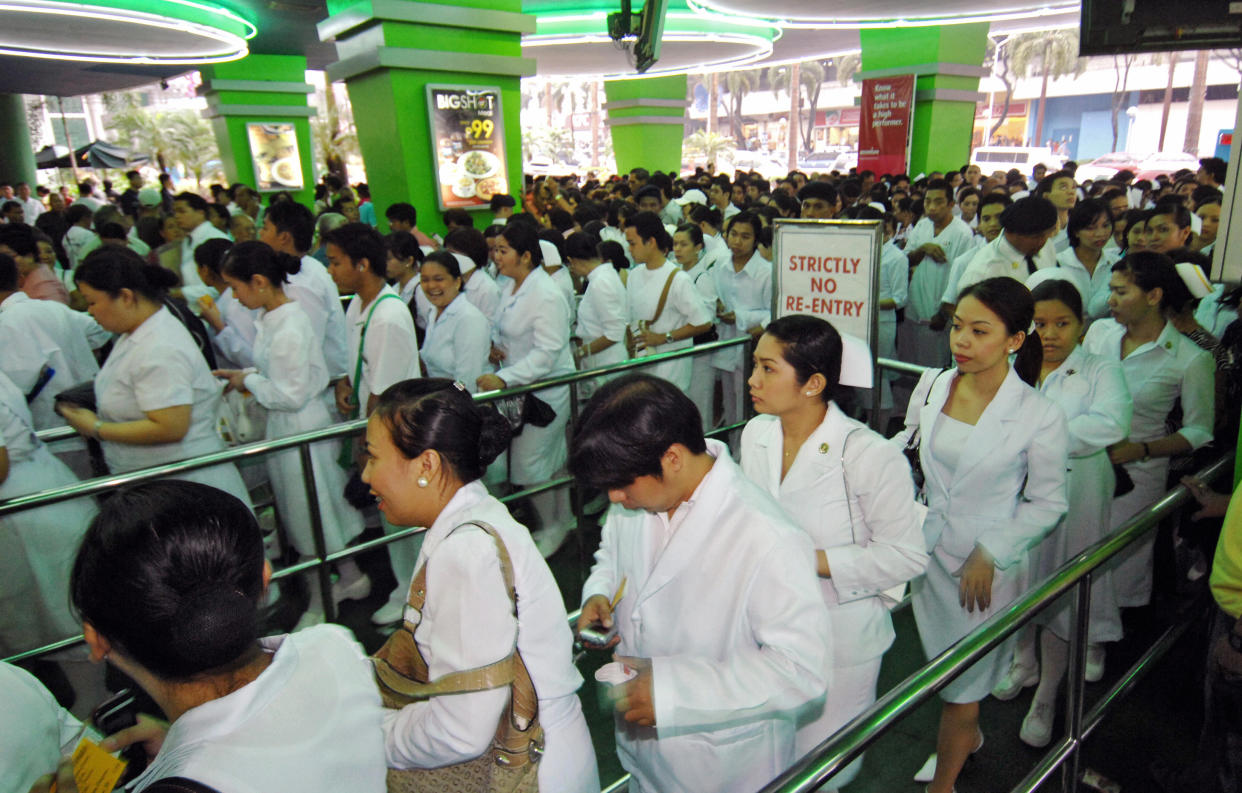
156, 399
428, 444
168, 583
288, 376
994, 453
1161, 367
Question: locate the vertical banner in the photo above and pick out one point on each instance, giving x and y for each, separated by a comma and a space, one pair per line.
885, 123
830, 269
468, 137
274, 155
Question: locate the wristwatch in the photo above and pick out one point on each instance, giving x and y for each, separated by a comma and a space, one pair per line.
668, 337
1146, 454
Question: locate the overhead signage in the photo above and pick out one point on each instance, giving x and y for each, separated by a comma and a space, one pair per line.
467, 135
885, 123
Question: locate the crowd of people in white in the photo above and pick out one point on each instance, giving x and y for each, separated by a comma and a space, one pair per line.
1075, 353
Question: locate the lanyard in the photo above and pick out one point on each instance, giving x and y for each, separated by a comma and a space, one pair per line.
362, 340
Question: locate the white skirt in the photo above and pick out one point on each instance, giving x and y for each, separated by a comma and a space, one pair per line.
1091, 484
943, 622
1131, 569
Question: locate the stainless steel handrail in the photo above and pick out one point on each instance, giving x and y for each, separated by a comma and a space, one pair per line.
830, 757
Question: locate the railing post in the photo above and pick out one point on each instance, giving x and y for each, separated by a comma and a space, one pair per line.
575, 493
321, 547
1076, 688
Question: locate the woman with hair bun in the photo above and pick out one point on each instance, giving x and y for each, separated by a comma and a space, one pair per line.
428, 444
168, 583
156, 398
287, 379
994, 453
1161, 367
850, 490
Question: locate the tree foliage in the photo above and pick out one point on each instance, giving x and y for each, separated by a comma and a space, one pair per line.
811, 76
168, 137
738, 84
708, 146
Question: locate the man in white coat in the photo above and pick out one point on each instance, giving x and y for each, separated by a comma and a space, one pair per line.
1022, 246
190, 210
719, 615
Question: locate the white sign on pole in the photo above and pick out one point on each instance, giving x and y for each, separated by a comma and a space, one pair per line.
830, 269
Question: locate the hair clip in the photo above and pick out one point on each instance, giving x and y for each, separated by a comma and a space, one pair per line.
457, 384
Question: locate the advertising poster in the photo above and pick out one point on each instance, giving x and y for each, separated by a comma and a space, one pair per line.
274, 154
884, 126
829, 269
468, 138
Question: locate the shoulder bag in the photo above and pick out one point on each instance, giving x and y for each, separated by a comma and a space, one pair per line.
911, 450
356, 493
631, 341
511, 762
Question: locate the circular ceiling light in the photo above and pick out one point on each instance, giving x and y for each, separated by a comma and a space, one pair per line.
873, 13
692, 41
155, 32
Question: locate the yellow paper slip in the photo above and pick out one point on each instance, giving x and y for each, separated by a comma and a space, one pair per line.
95, 770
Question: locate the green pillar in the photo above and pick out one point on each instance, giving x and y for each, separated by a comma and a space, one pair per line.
16, 156
390, 50
647, 119
262, 89
947, 62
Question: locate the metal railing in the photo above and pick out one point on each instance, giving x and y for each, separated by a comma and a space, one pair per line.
320, 562
832, 756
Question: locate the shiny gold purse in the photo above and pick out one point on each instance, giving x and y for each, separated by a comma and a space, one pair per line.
511, 762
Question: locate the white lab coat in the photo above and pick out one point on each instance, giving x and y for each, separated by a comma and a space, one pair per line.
1007, 492
288, 377
192, 287
916, 340
730, 615
78, 242
850, 490
37, 546
1091, 391
1158, 374
1000, 258
468, 622
895, 286
748, 294
46, 732
684, 306
391, 353
532, 329
457, 343
603, 312
703, 374
1095, 299
235, 344
157, 365
311, 721
315, 291
483, 291
39, 333
1213, 316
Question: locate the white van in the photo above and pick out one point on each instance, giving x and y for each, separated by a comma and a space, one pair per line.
1024, 158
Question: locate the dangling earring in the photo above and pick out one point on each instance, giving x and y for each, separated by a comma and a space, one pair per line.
422, 481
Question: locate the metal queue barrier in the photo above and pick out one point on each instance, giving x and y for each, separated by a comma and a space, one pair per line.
302, 442
817, 767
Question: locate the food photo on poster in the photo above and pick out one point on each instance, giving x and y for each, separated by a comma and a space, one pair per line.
468, 132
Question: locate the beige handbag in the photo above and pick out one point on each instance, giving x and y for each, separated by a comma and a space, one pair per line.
511, 763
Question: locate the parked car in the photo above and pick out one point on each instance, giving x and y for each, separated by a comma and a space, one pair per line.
1106, 166
1166, 162
1024, 158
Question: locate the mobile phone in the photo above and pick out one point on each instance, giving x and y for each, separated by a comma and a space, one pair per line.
118, 712
596, 634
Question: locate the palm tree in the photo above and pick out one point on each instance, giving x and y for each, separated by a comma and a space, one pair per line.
738, 84
333, 134
809, 75
998, 59
1194, 112
1121, 66
1056, 53
708, 145
846, 66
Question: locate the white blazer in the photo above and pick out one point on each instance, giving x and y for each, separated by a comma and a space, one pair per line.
730, 615
855, 499
1008, 490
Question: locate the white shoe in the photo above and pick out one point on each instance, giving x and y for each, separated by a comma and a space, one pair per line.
309, 617
928, 771
549, 540
358, 589
1037, 726
1017, 678
1095, 663
393, 610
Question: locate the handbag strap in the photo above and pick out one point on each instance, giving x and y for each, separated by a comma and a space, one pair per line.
510, 670
362, 341
663, 298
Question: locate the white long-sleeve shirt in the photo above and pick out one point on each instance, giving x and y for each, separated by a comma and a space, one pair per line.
457, 343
